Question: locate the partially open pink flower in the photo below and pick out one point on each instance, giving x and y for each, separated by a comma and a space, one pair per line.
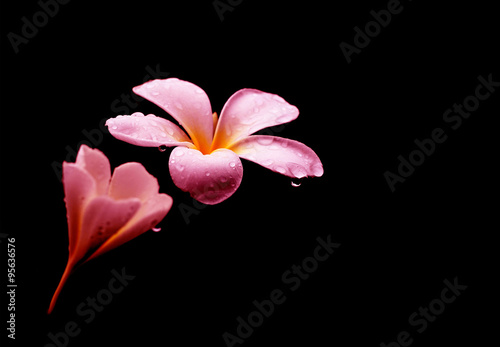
104, 212
206, 162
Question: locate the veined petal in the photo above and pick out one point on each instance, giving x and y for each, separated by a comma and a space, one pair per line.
210, 178
147, 131
187, 103
97, 165
248, 111
149, 215
287, 157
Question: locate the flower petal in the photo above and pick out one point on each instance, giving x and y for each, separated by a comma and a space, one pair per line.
131, 180
287, 157
210, 178
187, 103
147, 131
97, 165
103, 217
79, 189
248, 111
149, 215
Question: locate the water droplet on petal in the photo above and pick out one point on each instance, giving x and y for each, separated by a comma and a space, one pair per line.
280, 169
265, 140
156, 229
297, 170
267, 162
296, 182
232, 164
162, 148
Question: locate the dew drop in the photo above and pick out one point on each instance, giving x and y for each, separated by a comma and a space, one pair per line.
162, 148
265, 140
232, 164
280, 169
156, 229
296, 182
268, 162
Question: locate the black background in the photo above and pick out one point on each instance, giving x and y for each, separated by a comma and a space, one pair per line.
192, 280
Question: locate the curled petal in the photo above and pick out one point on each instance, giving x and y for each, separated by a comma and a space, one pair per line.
187, 103
148, 216
210, 178
97, 165
287, 157
147, 131
248, 111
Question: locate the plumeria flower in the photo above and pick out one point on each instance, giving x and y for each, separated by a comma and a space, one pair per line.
105, 211
206, 161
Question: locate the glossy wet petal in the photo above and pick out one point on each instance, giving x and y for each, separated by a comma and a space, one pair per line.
210, 178
147, 131
287, 157
248, 111
187, 103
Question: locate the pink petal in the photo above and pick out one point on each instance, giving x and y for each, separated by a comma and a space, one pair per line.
147, 131
131, 180
97, 165
187, 103
103, 217
150, 214
210, 178
79, 189
248, 111
287, 157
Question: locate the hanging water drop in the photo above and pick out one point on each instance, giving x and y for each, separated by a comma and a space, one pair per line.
156, 229
296, 182
162, 148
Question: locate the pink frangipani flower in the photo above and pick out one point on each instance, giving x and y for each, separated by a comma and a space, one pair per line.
105, 211
206, 162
